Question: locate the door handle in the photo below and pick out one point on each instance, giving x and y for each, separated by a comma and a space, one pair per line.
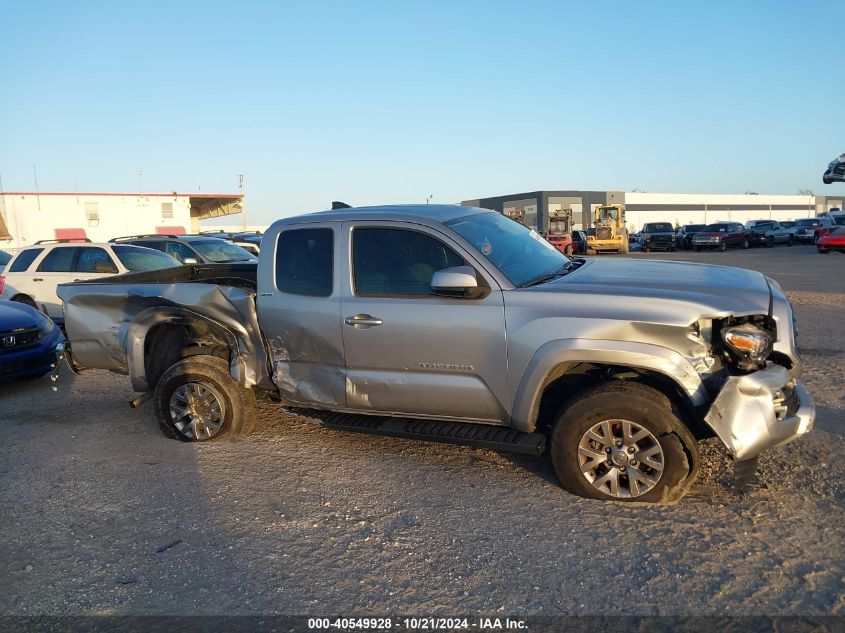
37, 279
361, 321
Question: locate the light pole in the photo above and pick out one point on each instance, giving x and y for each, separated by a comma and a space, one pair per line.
427, 200
243, 204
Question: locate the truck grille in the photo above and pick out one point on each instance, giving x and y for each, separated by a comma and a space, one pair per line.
604, 233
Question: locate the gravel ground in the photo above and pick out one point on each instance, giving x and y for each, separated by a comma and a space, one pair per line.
103, 515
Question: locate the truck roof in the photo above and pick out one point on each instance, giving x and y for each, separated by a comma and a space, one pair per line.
419, 212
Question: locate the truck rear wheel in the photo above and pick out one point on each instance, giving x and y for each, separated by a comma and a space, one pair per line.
197, 400
623, 442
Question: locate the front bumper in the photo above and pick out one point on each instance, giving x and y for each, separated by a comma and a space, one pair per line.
761, 410
31, 361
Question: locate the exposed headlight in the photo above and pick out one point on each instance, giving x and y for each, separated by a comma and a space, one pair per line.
749, 342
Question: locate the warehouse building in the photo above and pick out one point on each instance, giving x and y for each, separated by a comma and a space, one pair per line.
26, 217
640, 207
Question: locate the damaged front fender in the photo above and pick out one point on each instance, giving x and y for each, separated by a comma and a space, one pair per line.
761, 410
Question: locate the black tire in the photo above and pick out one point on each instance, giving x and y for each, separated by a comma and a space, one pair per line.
645, 408
697, 249
647, 249
236, 403
723, 246
770, 242
745, 242
822, 252
790, 241
26, 300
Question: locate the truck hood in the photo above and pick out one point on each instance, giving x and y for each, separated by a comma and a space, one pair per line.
688, 290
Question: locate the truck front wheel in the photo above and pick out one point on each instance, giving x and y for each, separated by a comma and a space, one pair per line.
623, 442
197, 400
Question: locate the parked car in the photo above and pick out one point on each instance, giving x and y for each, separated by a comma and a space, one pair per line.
687, 232
720, 236
191, 249
768, 233
29, 341
579, 241
833, 241
5, 258
658, 236
391, 320
32, 275
789, 225
805, 229
248, 241
835, 171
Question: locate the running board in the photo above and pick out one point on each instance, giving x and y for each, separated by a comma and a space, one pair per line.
497, 438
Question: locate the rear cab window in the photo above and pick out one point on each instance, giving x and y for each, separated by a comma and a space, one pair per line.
305, 262
24, 260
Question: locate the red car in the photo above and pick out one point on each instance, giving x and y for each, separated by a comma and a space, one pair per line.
833, 241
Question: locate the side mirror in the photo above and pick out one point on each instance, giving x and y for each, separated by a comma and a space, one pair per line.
190, 260
458, 281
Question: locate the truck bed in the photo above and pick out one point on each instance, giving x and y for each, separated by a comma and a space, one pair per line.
108, 319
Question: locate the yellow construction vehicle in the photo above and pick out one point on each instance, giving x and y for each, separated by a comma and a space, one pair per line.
610, 234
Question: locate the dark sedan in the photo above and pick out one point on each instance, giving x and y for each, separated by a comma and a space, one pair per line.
28, 342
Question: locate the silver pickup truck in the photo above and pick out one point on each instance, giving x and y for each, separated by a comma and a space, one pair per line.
457, 324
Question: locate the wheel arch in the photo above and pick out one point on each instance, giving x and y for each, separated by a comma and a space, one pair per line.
561, 369
161, 336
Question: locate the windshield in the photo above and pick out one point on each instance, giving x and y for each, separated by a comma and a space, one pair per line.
839, 220
218, 251
136, 258
808, 222
690, 228
764, 226
716, 228
517, 251
787, 224
655, 227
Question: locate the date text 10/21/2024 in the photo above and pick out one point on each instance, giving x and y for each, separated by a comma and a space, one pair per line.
418, 624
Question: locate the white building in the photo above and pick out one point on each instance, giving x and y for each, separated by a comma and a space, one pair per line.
26, 217
641, 207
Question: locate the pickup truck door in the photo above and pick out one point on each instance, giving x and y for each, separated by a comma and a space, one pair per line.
409, 351
299, 312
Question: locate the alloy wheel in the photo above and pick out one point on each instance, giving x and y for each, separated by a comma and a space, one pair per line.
620, 458
197, 410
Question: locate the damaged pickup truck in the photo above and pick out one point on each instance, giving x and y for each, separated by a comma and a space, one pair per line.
456, 324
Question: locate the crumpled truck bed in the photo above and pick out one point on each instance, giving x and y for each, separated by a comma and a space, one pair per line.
107, 319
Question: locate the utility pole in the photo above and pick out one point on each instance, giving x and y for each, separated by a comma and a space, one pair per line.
140, 181
243, 205
37, 196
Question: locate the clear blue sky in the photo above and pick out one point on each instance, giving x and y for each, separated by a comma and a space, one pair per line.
373, 102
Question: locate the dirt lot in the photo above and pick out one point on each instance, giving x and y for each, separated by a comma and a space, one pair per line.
103, 515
